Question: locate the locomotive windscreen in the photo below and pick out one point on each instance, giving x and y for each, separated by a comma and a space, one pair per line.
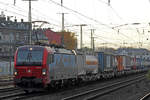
29, 57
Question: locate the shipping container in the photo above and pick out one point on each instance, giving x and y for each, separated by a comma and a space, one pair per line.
113, 61
134, 63
139, 63
106, 62
120, 66
127, 62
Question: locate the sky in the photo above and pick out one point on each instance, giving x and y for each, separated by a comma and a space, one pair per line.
114, 24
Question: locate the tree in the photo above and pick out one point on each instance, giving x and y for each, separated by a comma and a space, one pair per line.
70, 41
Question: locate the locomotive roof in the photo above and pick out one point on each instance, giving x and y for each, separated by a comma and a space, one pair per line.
30, 46
52, 49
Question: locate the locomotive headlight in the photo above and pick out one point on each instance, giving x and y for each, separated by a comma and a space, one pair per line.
15, 72
43, 71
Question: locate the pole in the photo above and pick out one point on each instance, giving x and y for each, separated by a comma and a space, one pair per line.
10, 57
62, 29
63, 26
81, 36
92, 32
30, 22
62, 23
76, 41
81, 25
93, 44
14, 2
93, 41
91, 38
30, 26
108, 2
62, 16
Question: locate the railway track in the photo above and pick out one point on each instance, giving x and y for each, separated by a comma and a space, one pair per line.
98, 92
8, 89
146, 97
22, 95
7, 93
6, 83
17, 94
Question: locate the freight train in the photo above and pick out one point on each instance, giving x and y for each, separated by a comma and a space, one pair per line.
39, 67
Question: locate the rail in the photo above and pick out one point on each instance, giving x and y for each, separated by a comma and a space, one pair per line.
145, 97
95, 93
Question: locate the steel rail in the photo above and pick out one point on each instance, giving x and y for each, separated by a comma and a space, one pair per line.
111, 90
12, 95
115, 85
8, 89
10, 92
145, 97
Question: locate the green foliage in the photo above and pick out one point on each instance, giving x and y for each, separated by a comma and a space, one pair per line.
148, 75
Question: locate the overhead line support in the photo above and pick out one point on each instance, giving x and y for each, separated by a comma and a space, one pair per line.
30, 22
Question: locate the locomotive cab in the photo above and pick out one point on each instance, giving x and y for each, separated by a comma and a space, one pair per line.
30, 67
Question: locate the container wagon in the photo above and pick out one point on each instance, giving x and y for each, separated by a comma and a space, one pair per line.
106, 63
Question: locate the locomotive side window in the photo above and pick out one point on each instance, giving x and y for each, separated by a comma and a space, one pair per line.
50, 59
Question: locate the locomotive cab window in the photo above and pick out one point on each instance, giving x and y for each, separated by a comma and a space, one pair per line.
50, 59
28, 57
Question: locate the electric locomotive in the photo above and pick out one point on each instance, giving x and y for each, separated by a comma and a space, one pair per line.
38, 67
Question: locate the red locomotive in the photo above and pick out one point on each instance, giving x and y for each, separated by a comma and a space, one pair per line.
38, 67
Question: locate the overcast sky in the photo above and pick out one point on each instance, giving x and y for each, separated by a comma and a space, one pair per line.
96, 14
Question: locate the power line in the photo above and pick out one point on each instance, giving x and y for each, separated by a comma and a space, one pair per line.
103, 2
81, 14
26, 16
115, 13
22, 10
13, 12
11, 6
88, 18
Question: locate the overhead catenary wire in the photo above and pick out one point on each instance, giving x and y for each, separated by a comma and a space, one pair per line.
82, 16
24, 11
54, 25
110, 6
116, 13
108, 41
23, 15
89, 18
103, 2
14, 7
